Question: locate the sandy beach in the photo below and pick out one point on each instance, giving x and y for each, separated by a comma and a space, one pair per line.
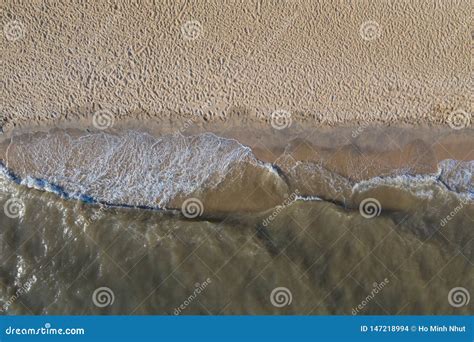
324, 62
320, 150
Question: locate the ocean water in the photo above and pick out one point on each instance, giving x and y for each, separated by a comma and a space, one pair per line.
130, 223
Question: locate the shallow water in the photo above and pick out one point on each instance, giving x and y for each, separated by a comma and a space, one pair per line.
96, 210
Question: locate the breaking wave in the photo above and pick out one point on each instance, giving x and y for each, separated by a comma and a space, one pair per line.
138, 170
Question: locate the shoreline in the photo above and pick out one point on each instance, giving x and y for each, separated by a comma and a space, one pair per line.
371, 137
240, 117
369, 184
317, 168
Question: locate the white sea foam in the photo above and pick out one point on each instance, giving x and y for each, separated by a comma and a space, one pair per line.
457, 175
307, 198
133, 168
452, 176
138, 169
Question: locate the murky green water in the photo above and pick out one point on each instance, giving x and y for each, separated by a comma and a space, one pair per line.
64, 256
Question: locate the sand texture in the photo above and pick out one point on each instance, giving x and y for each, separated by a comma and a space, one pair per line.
319, 147
325, 62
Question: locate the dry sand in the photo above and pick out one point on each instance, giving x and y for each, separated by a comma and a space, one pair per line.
325, 62
226, 67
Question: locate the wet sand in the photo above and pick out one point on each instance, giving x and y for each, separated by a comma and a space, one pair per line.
327, 164
396, 147
319, 147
